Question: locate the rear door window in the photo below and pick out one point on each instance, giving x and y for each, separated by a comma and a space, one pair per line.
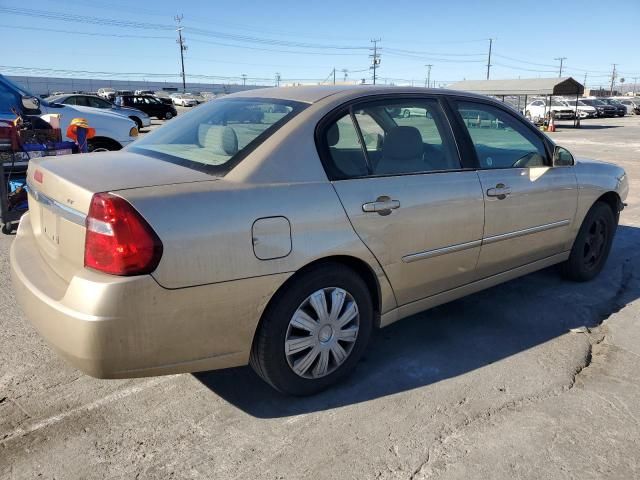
391, 137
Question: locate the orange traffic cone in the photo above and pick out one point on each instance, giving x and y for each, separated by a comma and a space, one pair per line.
552, 125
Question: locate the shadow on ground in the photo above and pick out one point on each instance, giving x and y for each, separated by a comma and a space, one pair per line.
456, 338
586, 126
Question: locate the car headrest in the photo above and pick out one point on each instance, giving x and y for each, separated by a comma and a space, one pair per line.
221, 140
403, 143
333, 135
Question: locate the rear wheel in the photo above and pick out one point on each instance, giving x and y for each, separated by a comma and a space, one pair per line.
314, 332
592, 245
168, 116
406, 113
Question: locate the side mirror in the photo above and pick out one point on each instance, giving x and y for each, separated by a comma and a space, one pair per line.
30, 103
562, 157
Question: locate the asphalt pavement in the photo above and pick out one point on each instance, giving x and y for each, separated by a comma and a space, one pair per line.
537, 379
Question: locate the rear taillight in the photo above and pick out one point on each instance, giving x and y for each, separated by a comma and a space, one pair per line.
118, 240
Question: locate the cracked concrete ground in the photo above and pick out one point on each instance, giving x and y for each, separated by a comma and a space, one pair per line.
491, 386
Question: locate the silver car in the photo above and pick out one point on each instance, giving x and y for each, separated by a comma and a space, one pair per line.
279, 227
142, 119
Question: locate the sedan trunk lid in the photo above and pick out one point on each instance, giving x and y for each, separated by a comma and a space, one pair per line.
60, 192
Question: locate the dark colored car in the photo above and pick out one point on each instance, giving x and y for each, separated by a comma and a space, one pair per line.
604, 109
621, 110
150, 105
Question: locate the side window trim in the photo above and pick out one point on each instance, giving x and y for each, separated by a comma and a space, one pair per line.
466, 138
363, 146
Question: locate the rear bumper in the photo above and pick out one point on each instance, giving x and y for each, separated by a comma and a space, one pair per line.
119, 327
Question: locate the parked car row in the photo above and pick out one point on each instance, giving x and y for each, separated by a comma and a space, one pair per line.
113, 129
590, 107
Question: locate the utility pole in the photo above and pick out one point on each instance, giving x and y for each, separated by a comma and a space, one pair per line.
346, 74
561, 59
427, 82
334, 75
489, 58
183, 48
635, 80
613, 79
277, 79
375, 58
584, 84
244, 79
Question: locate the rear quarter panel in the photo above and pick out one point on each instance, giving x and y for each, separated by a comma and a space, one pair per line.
206, 230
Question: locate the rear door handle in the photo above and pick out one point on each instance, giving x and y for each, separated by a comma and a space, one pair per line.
383, 205
500, 191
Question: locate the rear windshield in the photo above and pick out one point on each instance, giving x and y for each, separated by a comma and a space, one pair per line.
214, 137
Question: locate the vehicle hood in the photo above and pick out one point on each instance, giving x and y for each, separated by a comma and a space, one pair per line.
72, 111
128, 110
95, 111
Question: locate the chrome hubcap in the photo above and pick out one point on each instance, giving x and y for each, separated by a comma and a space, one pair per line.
322, 332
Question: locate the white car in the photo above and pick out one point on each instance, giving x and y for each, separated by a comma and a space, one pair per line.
539, 109
183, 100
632, 105
584, 110
108, 93
113, 131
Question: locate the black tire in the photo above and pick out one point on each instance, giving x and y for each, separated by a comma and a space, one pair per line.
168, 115
268, 357
102, 145
406, 114
592, 245
138, 122
7, 228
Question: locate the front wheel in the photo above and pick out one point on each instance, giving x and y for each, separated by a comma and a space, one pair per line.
406, 114
314, 332
592, 245
138, 122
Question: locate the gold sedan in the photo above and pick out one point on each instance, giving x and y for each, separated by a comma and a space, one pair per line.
279, 227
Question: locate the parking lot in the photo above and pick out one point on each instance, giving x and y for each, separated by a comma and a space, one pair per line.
536, 378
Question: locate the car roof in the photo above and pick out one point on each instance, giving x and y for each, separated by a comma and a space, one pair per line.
313, 94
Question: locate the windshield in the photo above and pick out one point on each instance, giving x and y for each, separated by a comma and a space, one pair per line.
214, 137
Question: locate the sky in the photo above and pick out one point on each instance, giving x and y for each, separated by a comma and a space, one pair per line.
305, 40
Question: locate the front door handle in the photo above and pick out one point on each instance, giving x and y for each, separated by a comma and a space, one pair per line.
383, 205
500, 191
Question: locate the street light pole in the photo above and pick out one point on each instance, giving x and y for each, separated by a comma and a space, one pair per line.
428, 79
183, 48
562, 59
489, 58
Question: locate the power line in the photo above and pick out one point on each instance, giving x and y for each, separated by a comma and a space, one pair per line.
64, 17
